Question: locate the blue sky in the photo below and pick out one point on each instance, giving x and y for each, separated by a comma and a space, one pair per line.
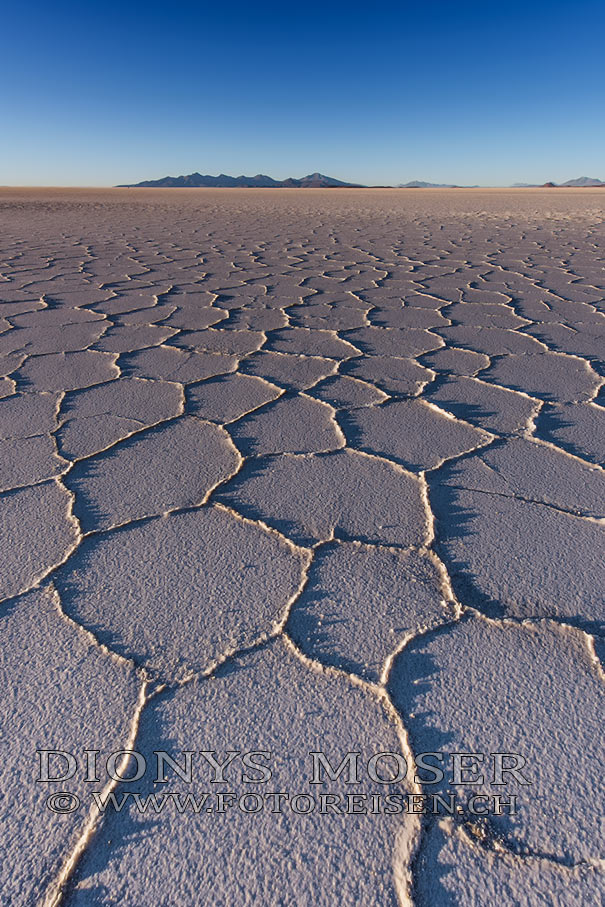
488, 93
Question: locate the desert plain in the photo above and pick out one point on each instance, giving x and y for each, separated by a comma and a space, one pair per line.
297, 471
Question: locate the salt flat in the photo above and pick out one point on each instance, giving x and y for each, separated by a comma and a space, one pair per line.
286, 471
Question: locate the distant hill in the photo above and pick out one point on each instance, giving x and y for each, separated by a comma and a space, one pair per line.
584, 181
260, 181
419, 184
580, 182
319, 181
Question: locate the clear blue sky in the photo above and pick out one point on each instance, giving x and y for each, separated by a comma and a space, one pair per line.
489, 93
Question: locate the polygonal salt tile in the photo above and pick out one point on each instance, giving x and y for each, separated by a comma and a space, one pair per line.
577, 427
220, 341
36, 533
311, 343
179, 592
484, 314
407, 317
124, 303
24, 461
10, 363
526, 469
12, 309
397, 342
289, 371
412, 433
360, 602
555, 377
491, 341
344, 392
455, 868
327, 316
348, 493
194, 318
168, 363
13, 343
257, 319
291, 425
24, 415
127, 338
67, 371
144, 316
456, 362
506, 555
7, 387
145, 401
581, 339
64, 339
230, 398
164, 468
78, 438
395, 376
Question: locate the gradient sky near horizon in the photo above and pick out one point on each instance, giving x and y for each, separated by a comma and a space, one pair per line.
470, 93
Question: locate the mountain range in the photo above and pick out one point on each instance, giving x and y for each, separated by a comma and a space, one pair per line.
319, 181
260, 181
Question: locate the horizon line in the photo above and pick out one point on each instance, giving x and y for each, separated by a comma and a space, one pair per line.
448, 187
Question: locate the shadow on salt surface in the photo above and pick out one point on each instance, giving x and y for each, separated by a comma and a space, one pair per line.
549, 423
599, 645
576, 428
452, 521
476, 414
470, 412
130, 827
120, 830
65, 579
313, 637
431, 872
89, 514
415, 675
